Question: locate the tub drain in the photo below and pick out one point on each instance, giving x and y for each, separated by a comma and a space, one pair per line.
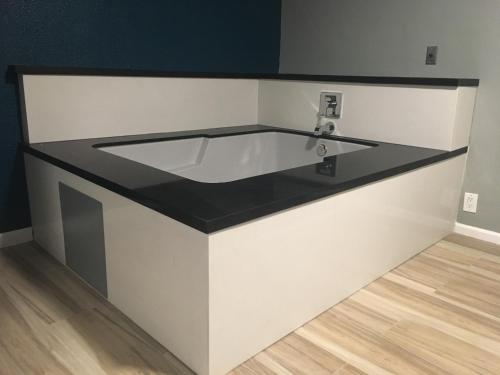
322, 150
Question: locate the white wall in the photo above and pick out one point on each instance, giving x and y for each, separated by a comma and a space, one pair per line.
434, 117
76, 107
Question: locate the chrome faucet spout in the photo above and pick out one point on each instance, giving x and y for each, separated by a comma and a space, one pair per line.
326, 129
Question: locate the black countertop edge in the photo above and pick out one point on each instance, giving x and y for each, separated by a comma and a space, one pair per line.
259, 212
381, 80
119, 189
236, 218
221, 132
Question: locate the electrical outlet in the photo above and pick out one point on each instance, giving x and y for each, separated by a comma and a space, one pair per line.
470, 202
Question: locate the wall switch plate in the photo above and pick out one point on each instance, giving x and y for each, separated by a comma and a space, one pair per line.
470, 202
431, 55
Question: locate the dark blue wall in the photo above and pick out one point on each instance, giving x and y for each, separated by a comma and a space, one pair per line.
181, 35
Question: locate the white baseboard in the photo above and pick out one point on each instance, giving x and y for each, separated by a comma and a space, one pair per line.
16, 237
477, 233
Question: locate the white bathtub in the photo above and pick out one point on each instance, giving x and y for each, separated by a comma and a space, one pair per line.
230, 158
215, 300
219, 269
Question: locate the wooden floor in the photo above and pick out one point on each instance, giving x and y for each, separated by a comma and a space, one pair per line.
438, 313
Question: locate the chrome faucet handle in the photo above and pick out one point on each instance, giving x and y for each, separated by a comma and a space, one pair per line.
326, 129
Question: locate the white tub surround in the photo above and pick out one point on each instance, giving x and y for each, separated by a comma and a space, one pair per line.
434, 113
156, 267
217, 271
110, 106
423, 116
288, 268
197, 293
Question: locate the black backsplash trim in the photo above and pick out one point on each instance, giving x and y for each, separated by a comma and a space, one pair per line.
380, 80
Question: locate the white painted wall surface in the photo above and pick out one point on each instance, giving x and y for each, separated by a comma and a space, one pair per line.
434, 117
271, 275
76, 107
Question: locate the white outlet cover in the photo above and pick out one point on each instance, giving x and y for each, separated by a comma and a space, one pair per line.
470, 202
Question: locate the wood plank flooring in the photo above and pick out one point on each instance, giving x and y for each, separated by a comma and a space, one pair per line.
52, 323
438, 313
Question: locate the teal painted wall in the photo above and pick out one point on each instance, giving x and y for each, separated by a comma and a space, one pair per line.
187, 35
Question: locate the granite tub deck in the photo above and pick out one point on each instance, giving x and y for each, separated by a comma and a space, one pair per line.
209, 207
217, 272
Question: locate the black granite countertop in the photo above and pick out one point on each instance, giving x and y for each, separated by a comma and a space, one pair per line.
209, 207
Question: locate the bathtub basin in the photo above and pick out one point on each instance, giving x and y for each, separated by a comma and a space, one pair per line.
230, 158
